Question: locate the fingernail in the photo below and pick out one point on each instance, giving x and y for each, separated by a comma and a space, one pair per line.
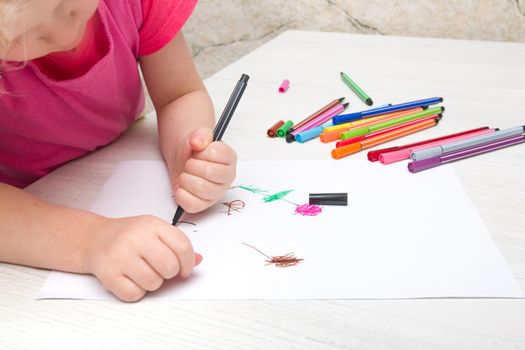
198, 259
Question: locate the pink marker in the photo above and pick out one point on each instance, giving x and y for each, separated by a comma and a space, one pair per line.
284, 86
322, 118
402, 154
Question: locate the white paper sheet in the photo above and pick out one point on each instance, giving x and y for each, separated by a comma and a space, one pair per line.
402, 235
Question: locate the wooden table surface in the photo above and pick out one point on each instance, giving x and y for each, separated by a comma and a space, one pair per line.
482, 83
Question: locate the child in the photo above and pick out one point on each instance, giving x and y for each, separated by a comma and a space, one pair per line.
70, 83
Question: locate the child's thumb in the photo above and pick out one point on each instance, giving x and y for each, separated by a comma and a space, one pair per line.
200, 139
198, 259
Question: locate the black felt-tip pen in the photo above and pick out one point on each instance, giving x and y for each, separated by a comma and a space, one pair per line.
220, 128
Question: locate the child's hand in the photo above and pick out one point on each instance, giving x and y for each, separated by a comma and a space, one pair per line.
203, 171
134, 255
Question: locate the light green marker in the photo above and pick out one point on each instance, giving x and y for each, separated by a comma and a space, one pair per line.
386, 124
358, 91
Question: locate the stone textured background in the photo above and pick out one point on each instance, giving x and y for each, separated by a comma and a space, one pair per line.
221, 31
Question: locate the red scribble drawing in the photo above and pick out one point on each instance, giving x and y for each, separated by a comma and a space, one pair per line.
235, 205
308, 210
279, 260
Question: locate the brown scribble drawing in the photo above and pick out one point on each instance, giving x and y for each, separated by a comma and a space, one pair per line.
235, 205
279, 260
188, 223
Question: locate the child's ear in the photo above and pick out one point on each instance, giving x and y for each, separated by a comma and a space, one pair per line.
200, 139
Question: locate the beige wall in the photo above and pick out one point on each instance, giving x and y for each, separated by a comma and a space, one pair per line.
220, 31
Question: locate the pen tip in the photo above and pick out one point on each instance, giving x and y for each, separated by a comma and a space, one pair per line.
341, 99
177, 216
244, 78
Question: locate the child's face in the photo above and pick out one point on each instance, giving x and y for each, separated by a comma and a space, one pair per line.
46, 26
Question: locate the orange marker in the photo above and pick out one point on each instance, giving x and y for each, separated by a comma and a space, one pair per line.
341, 152
334, 132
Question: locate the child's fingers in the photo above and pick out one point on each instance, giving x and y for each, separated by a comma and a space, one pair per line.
213, 172
179, 243
140, 272
189, 202
217, 152
200, 187
124, 288
161, 258
200, 139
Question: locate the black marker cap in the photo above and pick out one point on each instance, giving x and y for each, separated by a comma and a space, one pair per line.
244, 78
328, 198
290, 138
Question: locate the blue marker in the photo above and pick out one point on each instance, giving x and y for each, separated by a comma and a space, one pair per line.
311, 133
345, 118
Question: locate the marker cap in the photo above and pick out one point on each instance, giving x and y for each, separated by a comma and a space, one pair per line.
373, 156
427, 153
308, 134
284, 86
281, 132
354, 133
394, 156
328, 198
338, 153
272, 131
290, 138
423, 164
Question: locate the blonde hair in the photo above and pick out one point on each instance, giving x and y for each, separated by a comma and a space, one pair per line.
9, 9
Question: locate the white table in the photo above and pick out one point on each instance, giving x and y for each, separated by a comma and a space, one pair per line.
483, 83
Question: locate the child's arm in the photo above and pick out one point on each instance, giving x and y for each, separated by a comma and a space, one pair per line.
200, 170
129, 255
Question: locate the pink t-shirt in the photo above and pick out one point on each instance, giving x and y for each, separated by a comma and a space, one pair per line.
65, 105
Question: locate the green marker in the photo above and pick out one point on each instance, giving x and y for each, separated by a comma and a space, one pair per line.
281, 132
386, 124
358, 91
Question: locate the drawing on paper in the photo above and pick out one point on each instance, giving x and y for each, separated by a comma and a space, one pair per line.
301, 209
308, 210
233, 206
286, 260
187, 223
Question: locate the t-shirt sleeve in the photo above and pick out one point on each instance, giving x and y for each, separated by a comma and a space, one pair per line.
161, 21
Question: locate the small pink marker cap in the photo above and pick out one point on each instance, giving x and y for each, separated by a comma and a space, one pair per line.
284, 86
395, 156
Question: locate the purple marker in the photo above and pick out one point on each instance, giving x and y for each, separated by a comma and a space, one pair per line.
428, 163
